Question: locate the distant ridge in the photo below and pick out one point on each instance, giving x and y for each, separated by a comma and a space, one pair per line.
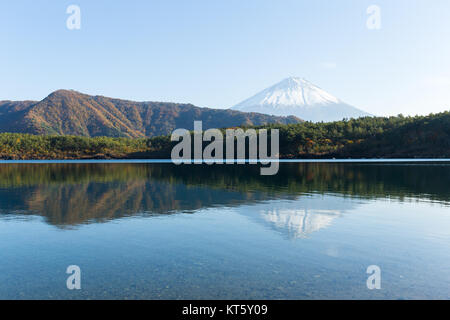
301, 98
68, 112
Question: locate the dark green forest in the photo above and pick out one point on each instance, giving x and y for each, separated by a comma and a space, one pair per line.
368, 137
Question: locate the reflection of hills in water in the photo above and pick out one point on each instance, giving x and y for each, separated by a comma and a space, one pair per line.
70, 194
94, 202
300, 218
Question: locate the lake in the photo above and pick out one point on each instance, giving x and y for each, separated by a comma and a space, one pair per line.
151, 230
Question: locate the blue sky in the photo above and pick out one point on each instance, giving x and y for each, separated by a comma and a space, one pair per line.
216, 53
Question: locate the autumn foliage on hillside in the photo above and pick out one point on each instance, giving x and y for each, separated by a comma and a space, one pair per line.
66, 112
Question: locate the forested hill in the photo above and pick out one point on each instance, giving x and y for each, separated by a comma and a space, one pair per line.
370, 137
66, 112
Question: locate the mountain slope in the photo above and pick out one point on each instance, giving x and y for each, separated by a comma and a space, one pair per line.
301, 98
66, 112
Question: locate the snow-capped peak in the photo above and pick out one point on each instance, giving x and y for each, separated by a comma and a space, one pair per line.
299, 97
292, 91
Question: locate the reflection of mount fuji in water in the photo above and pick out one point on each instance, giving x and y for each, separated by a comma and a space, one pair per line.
295, 202
302, 217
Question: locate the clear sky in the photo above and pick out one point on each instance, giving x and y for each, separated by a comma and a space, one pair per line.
215, 53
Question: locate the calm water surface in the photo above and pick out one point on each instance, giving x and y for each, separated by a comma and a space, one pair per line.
160, 231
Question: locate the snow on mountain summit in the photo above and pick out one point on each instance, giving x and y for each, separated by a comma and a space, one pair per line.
301, 98
291, 91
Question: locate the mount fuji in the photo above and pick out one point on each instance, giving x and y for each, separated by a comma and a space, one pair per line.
301, 98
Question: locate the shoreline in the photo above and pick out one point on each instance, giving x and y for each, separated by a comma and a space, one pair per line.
315, 160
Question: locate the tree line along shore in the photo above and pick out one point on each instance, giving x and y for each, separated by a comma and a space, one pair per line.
367, 137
